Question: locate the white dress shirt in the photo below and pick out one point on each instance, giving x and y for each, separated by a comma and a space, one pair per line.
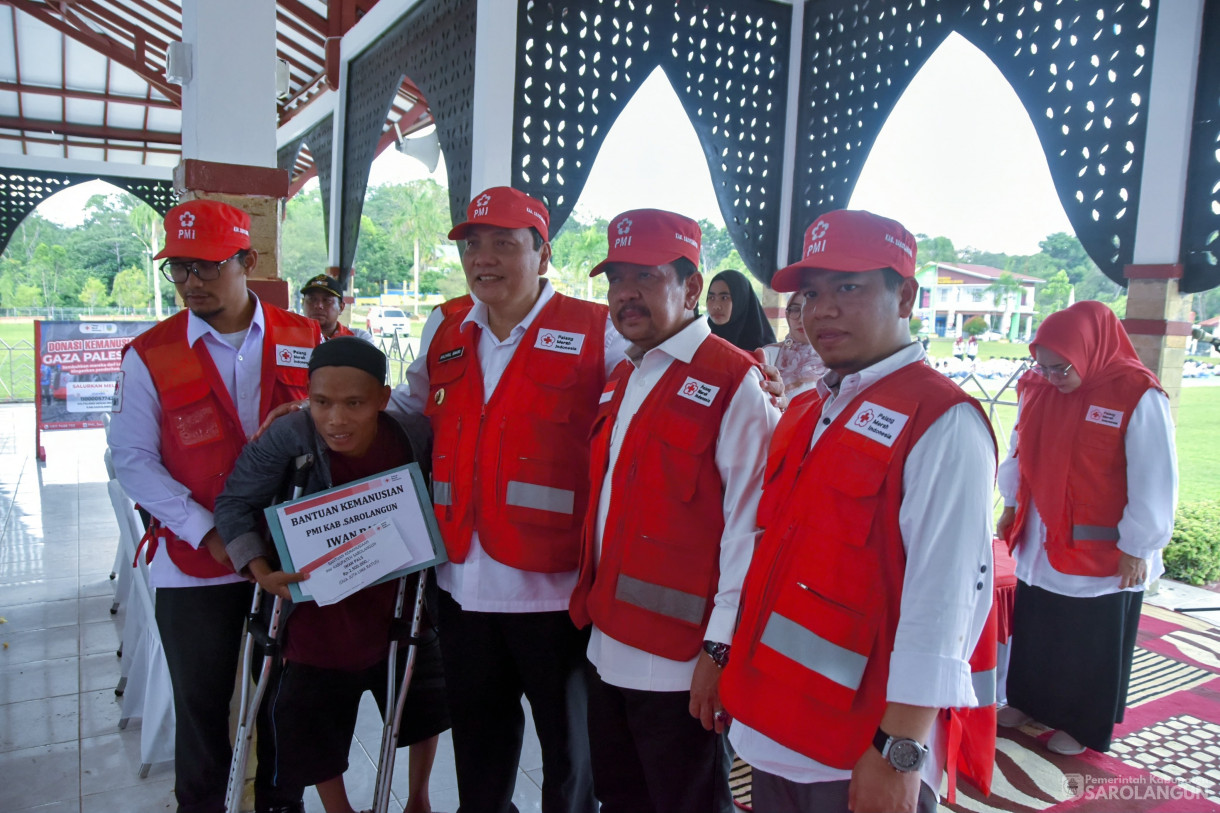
481, 584
945, 518
135, 437
741, 455
1147, 521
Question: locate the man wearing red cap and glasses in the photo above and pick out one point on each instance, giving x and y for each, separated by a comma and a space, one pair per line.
677, 465
193, 389
510, 376
872, 580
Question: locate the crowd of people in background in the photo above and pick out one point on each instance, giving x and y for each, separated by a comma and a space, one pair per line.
674, 536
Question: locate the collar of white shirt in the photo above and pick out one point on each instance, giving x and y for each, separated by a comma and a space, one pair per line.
681, 346
478, 313
855, 383
197, 328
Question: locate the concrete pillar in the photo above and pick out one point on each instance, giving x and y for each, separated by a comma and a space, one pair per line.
1157, 313
495, 80
229, 121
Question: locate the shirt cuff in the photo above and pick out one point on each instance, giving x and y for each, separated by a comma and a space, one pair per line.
932, 681
198, 524
721, 625
244, 548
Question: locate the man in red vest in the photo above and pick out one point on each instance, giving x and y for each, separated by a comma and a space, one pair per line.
193, 389
677, 463
872, 580
510, 376
322, 301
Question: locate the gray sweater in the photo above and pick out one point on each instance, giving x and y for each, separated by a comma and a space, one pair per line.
262, 473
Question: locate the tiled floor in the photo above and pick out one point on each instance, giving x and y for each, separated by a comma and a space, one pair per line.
61, 750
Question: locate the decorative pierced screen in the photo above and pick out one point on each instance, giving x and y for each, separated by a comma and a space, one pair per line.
578, 62
319, 139
1201, 225
22, 190
434, 46
1081, 69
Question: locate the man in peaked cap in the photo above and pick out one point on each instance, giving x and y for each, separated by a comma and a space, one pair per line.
510, 376
322, 301
677, 466
194, 388
872, 580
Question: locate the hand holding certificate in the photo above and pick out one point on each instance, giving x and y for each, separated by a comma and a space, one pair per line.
357, 535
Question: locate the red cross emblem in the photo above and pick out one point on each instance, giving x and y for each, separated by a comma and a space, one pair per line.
548, 340
285, 355
690, 388
864, 418
1097, 414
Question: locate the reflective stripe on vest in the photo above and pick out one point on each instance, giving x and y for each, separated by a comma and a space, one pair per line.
814, 652
661, 600
984, 687
1094, 532
543, 498
441, 493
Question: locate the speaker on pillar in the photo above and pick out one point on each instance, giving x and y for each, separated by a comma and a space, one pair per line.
178, 63
425, 149
282, 77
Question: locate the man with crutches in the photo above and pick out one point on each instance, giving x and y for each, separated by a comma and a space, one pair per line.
331, 654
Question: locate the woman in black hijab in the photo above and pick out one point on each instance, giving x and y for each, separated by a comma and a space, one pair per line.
735, 314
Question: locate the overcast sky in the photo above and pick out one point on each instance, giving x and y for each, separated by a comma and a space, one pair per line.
957, 157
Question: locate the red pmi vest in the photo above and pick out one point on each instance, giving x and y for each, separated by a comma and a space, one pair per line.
821, 599
1085, 542
516, 467
342, 330
201, 434
654, 586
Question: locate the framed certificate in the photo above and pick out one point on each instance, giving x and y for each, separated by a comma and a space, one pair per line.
357, 534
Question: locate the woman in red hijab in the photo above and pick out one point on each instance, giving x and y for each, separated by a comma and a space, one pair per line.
1089, 486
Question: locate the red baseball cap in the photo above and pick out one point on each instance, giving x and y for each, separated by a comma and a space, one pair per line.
650, 237
507, 208
851, 240
205, 230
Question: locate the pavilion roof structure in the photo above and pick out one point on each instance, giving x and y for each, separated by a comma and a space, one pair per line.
86, 79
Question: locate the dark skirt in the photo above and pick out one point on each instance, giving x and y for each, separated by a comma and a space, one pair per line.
1071, 660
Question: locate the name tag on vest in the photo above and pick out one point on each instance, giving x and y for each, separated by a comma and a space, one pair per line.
288, 356
877, 423
560, 342
1103, 416
450, 355
695, 390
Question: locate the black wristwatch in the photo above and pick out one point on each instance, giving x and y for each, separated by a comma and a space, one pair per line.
719, 653
903, 754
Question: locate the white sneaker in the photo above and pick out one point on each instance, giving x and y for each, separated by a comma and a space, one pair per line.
1010, 717
1064, 743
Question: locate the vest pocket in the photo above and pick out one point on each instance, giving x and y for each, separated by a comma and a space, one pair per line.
670, 579
816, 645
682, 452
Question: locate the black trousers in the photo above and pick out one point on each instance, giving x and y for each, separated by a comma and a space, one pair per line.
772, 794
201, 632
491, 660
651, 756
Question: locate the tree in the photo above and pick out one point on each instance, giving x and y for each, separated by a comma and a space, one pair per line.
916, 325
93, 294
974, 326
935, 249
50, 263
1054, 294
130, 289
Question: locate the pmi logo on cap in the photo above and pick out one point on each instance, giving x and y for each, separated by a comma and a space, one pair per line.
624, 231
481, 206
816, 241
187, 222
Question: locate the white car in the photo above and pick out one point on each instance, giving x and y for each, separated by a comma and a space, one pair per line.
388, 320
992, 336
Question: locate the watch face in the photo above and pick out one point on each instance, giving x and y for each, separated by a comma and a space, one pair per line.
905, 755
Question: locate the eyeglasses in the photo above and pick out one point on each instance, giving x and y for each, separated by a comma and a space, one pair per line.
792, 310
1050, 371
177, 271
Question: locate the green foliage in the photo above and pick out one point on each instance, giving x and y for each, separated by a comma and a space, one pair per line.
916, 325
974, 326
131, 289
1053, 296
935, 249
93, 293
1193, 553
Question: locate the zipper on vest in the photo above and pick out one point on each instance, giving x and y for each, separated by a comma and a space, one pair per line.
766, 600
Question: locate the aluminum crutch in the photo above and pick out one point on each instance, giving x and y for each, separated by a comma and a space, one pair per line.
267, 633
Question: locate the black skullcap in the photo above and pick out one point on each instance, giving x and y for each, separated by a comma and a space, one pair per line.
349, 351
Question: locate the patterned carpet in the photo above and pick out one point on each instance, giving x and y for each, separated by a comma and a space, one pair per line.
1165, 756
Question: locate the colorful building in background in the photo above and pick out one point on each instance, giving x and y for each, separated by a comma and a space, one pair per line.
951, 294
